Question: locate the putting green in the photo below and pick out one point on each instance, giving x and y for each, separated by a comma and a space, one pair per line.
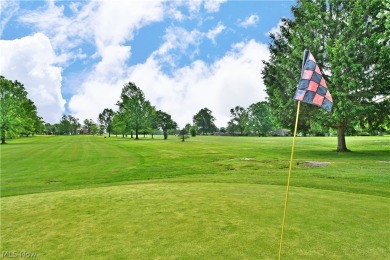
154, 220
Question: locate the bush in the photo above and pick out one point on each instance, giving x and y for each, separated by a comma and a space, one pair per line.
193, 132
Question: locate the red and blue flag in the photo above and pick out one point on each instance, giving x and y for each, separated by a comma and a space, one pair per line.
312, 87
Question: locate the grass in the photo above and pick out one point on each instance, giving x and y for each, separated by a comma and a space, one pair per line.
84, 197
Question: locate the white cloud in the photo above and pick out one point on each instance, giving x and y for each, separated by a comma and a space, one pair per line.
107, 25
94, 96
31, 60
113, 63
233, 80
195, 6
65, 33
275, 30
116, 21
250, 21
104, 23
179, 40
212, 6
213, 33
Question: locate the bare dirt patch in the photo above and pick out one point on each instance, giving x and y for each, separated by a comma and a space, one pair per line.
316, 164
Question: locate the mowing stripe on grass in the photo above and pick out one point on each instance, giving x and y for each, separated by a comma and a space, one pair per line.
195, 221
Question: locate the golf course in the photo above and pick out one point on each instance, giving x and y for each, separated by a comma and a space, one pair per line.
210, 197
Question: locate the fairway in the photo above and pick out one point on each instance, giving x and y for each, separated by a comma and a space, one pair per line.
87, 197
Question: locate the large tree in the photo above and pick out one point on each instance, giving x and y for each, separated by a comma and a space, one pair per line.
105, 119
165, 122
18, 114
204, 120
135, 109
347, 39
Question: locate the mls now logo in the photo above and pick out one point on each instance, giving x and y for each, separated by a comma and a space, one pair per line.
16, 254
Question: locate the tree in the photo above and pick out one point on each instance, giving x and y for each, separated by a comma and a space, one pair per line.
260, 118
165, 122
74, 124
94, 128
89, 124
204, 120
136, 110
240, 118
105, 119
64, 125
188, 127
50, 129
119, 124
17, 113
31, 122
183, 134
346, 38
193, 131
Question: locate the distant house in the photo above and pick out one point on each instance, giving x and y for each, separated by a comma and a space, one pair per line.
82, 130
281, 132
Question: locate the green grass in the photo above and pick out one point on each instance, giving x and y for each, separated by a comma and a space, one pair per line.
86, 197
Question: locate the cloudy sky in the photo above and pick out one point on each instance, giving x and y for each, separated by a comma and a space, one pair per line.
74, 57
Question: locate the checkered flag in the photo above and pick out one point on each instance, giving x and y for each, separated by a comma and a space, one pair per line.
312, 87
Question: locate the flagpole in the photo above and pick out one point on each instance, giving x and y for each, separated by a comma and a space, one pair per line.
288, 181
305, 55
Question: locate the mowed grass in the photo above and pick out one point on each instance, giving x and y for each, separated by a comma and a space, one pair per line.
86, 197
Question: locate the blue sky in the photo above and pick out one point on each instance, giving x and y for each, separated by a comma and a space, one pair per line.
75, 56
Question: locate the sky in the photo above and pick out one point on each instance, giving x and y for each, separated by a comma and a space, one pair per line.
74, 57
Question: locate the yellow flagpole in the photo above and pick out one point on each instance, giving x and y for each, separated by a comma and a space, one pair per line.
288, 181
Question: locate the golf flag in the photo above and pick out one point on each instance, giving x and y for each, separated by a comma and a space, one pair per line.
312, 86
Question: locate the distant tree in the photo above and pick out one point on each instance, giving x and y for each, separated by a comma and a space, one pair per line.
231, 128
151, 123
188, 126
183, 134
64, 126
101, 129
50, 129
136, 110
165, 122
94, 128
193, 131
204, 120
239, 117
74, 124
260, 118
119, 124
88, 124
105, 119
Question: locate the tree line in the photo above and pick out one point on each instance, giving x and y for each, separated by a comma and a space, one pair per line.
135, 115
350, 40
